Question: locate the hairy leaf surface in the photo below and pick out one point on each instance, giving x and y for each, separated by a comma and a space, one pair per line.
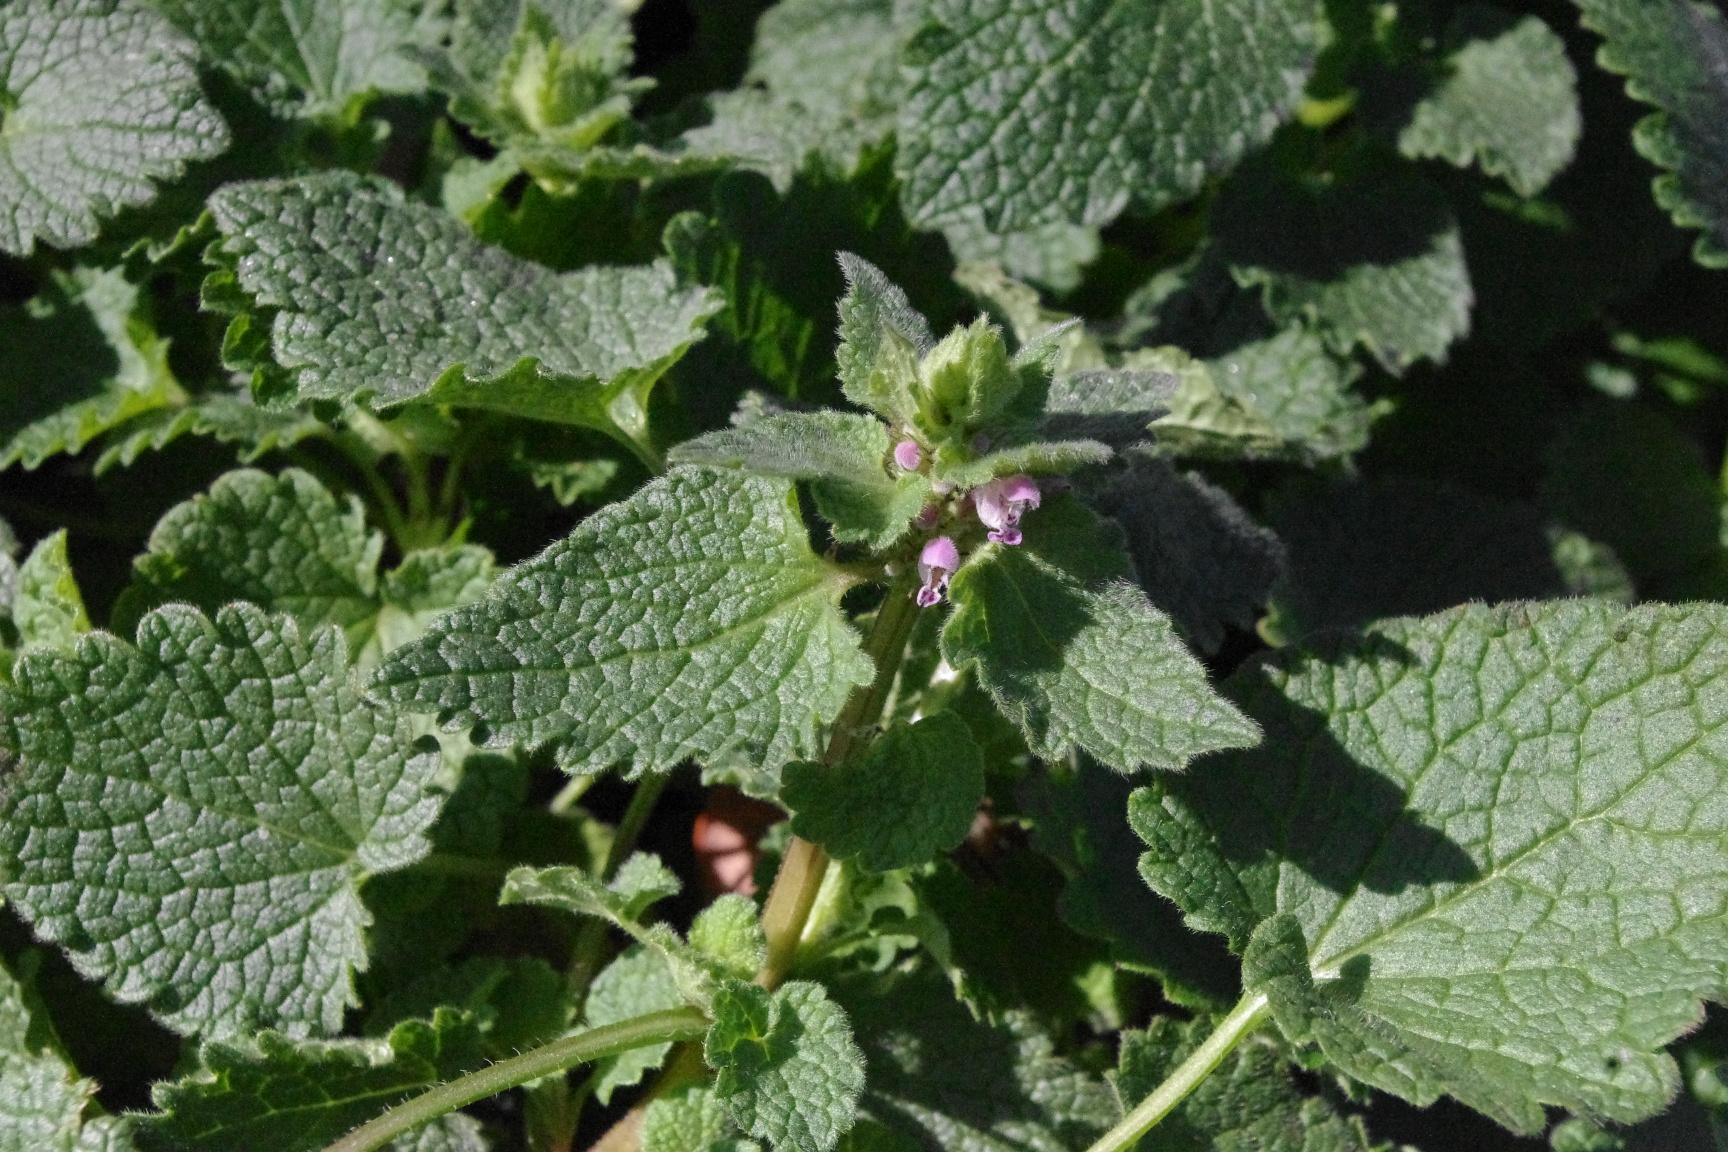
191, 817
1495, 838
690, 620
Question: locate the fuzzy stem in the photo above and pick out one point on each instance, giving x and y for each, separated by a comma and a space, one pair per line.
1243, 1019
558, 1056
805, 864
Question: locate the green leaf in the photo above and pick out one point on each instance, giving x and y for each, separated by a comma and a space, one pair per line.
371, 295
1507, 100
1396, 546
48, 610
1670, 52
1036, 111
46, 1106
882, 339
1197, 554
540, 75
638, 982
314, 58
691, 1118
950, 1081
729, 934
786, 1067
844, 455
1370, 257
191, 818
516, 1002
1076, 816
1249, 1103
690, 620
291, 1095
1079, 665
290, 545
77, 362
225, 418
1492, 839
1292, 385
283, 542
642, 881
910, 796
102, 103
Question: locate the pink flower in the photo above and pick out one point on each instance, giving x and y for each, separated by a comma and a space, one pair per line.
935, 564
908, 455
1000, 504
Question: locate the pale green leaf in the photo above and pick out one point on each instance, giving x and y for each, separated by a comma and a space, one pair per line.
372, 295
77, 362
691, 1118
290, 545
225, 418
844, 456
191, 818
1507, 99
290, 1095
638, 982
48, 610
1083, 664
44, 1105
1671, 53
642, 881
1370, 257
1248, 1105
786, 1067
882, 339
1495, 839
310, 57
728, 933
1035, 111
690, 620
102, 103
283, 542
910, 796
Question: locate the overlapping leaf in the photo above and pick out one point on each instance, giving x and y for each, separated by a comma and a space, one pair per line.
191, 817
291, 1095
690, 620
1027, 112
370, 295
102, 103
310, 57
1671, 53
1492, 841
1508, 100
1078, 661
288, 544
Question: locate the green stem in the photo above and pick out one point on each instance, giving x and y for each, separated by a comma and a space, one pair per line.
558, 1056
1243, 1019
805, 864
572, 792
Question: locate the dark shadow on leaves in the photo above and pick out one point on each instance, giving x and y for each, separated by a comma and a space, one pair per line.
1301, 797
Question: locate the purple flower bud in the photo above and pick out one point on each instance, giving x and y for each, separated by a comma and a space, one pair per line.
1000, 504
908, 455
935, 564
927, 516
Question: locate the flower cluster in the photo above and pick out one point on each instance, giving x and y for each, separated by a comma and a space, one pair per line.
999, 505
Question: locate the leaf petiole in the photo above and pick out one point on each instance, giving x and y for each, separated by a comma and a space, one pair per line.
558, 1056
1243, 1019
